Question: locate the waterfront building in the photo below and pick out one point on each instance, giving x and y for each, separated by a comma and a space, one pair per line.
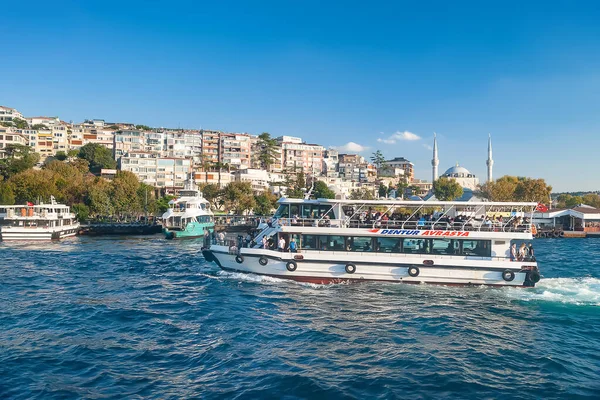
582, 218
7, 114
160, 172
184, 144
214, 177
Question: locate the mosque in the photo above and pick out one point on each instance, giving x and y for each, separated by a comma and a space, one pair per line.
461, 175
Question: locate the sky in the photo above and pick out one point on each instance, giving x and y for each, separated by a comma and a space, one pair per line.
361, 76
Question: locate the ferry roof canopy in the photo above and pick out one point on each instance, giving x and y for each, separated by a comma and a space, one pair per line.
410, 203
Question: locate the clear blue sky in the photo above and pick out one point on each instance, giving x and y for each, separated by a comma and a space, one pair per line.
526, 72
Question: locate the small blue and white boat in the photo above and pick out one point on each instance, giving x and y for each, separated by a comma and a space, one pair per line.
188, 216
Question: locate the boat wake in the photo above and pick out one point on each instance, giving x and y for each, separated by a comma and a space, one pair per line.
577, 291
248, 277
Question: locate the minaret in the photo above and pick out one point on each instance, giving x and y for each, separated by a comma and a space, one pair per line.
434, 162
489, 162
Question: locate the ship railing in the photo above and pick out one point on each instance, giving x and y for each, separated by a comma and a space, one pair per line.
403, 224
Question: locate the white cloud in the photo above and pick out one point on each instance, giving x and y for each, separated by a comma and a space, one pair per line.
406, 136
351, 147
428, 147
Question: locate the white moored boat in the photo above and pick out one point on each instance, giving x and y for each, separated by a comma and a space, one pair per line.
37, 222
448, 243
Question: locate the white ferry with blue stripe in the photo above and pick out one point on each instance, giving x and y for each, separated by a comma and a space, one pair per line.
435, 242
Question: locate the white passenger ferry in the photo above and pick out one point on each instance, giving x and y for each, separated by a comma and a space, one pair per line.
449, 243
37, 222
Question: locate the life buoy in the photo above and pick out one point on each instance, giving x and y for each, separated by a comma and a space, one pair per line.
291, 266
239, 259
533, 276
350, 268
561, 234
263, 260
556, 234
508, 275
413, 271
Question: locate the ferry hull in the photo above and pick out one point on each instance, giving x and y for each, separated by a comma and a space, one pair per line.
193, 230
28, 234
382, 269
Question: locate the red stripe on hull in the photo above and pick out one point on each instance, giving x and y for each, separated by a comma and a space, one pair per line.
326, 281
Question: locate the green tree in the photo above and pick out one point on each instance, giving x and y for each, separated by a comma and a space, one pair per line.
81, 211
40, 127
512, 188
69, 181
321, 191
31, 185
383, 190
591, 199
17, 158
265, 203
7, 192
296, 185
402, 186
378, 160
143, 127
361, 194
267, 152
98, 156
238, 197
73, 153
98, 197
124, 193
212, 194
447, 189
162, 204
60, 156
20, 123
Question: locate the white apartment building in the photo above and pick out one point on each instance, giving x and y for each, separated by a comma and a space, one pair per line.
128, 141
235, 149
301, 156
160, 172
331, 163
48, 121
404, 164
343, 187
7, 114
60, 137
184, 144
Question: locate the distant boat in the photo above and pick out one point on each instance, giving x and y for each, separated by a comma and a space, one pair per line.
188, 216
37, 222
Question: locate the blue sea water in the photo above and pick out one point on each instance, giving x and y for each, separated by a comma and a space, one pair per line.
138, 317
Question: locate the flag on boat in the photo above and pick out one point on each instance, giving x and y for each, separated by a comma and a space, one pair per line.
29, 204
541, 208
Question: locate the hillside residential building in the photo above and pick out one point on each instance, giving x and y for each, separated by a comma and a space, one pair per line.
167, 173
260, 179
128, 141
48, 121
404, 164
298, 155
7, 114
8, 136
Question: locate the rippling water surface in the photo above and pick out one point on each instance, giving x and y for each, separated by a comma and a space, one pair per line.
146, 318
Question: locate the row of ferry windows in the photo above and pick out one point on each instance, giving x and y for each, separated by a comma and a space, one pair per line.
467, 247
304, 211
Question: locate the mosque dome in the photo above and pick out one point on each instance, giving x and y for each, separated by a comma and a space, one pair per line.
458, 172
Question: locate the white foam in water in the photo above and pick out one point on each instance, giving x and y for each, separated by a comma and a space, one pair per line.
579, 291
264, 279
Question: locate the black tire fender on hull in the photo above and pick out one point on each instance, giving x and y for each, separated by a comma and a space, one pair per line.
291, 266
414, 271
350, 268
